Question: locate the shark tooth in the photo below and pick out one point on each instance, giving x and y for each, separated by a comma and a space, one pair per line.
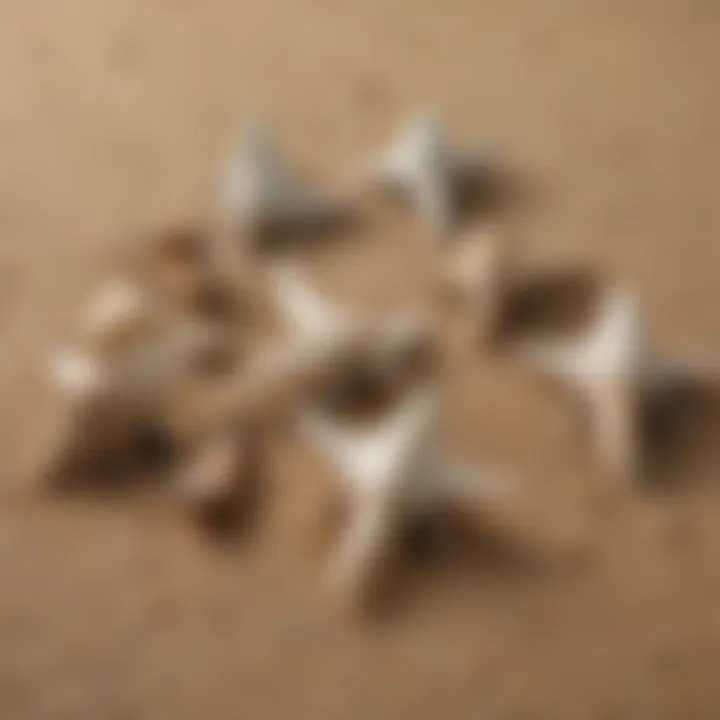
616, 370
421, 162
390, 472
261, 192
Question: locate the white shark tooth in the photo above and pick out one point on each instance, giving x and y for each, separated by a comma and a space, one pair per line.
610, 367
261, 190
372, 468
615, 369
393, 470
421, 163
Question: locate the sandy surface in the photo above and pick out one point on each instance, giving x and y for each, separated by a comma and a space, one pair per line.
113, 114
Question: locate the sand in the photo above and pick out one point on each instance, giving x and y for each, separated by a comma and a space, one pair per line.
603, 602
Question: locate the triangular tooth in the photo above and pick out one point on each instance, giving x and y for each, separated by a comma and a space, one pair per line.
373, 466
261, 190
609, 367
421, 162
390, 472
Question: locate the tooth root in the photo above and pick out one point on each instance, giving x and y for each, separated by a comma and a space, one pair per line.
389, 473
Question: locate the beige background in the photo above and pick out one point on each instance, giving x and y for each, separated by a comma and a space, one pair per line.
113, 113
